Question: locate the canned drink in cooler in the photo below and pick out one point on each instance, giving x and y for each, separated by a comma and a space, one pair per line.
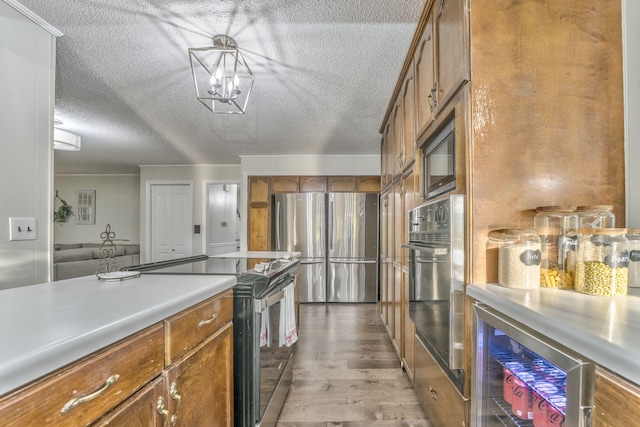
507, 385
541, 390
555, 418
521, 404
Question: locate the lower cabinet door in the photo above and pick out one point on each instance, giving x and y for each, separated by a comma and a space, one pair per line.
147, 408
444, 406
199, 385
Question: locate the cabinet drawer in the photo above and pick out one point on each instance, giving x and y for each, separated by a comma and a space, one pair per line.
135, 360
442, 403
190, 327
616, 401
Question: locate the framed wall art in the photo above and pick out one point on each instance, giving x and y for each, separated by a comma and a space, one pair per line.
86, 210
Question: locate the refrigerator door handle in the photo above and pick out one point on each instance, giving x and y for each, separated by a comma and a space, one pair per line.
278, 226
331, 225
310, 262
353, 262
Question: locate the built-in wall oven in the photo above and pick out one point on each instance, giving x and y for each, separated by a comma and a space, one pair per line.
436, 281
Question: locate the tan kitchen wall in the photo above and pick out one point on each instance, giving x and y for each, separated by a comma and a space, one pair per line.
117, 203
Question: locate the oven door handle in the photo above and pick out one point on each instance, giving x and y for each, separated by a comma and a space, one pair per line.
433, 250
260, 305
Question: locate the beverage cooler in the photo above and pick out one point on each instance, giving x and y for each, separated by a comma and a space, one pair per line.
524, 379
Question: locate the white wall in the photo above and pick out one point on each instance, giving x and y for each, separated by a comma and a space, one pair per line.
631, 34
301, 165
198, 176
27, 75
117, 204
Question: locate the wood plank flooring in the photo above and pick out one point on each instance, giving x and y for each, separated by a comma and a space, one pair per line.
346, 372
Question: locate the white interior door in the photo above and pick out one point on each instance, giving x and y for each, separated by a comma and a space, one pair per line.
222, 219
171, 221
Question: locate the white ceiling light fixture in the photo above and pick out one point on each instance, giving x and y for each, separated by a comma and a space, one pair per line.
221, 76
65, 140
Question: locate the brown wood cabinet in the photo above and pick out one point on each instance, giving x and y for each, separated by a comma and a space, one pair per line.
342, 183
146, 408
313, 184
616, 401
90, 388
512, 142
178, 372
443, 403
259, 189
408, 116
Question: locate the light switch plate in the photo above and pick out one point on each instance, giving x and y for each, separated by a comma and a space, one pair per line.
22, 229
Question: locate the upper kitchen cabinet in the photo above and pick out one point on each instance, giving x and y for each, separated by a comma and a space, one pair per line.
312, 184
259, 189
285, 184
441, 59
350, 184
407, 96
398, 134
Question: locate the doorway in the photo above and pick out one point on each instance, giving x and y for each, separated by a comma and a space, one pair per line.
223, 219
171, 221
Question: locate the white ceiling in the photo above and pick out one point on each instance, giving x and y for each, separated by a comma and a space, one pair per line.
325, 71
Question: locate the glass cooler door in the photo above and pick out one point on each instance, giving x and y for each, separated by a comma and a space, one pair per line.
524, 379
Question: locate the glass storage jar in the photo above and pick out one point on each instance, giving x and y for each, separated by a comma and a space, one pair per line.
596, 216
633, 236
517, 251
557, 227
602, 261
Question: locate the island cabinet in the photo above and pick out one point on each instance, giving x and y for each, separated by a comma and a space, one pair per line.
616, 400
172, 373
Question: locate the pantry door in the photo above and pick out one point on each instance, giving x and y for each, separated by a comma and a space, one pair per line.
171, 221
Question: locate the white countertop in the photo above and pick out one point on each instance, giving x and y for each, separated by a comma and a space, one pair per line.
603, 329
46, 326
259, 254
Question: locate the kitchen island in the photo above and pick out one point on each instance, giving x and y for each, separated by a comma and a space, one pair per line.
48, 328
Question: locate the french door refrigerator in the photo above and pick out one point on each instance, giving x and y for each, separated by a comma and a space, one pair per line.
352, 247
300, 225
523, 379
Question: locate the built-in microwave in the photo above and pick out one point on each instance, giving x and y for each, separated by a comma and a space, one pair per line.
439, 162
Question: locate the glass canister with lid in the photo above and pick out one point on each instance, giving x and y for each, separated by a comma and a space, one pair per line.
633, 236
602, 261
596, 216
557, 227
518, 257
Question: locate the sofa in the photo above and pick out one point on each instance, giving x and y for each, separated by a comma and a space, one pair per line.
82, 259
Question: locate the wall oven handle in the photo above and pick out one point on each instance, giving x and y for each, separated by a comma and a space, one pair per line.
434, 250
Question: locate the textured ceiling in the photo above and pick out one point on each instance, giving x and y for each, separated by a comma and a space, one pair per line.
325, 71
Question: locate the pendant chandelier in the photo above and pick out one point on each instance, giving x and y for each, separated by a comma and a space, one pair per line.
221, 76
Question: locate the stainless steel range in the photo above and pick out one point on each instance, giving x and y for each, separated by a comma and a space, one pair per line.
436, 281
262, 358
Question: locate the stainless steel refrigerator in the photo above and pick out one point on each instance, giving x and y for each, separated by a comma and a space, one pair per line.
352, 247
300, 225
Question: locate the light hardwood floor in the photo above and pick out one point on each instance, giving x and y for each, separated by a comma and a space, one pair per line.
346, 372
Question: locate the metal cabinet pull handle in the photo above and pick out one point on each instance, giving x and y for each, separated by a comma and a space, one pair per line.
213, 317
162, 410
173, 393
434, 394
76, 401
